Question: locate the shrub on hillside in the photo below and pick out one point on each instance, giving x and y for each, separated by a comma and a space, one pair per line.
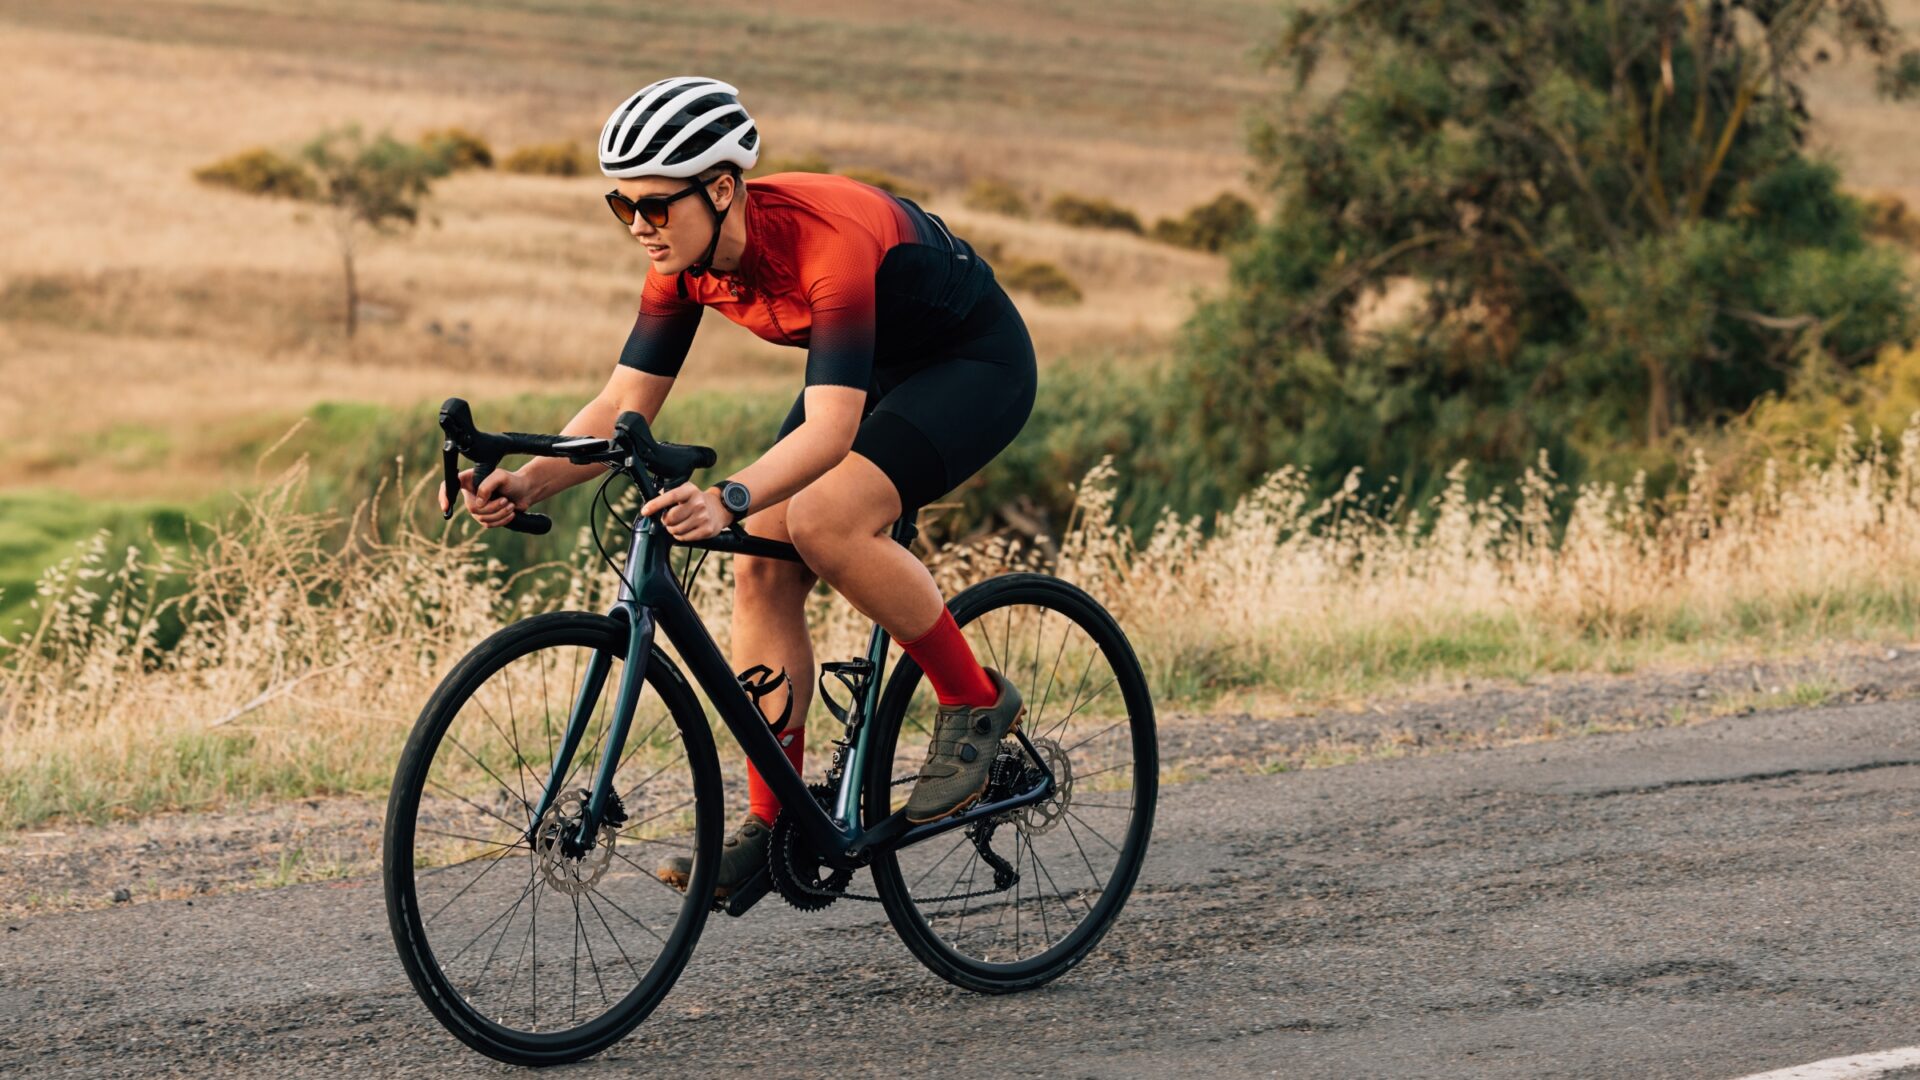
1888, 217
1211, 226
459, 148
997, 197
260, 172
887, 182
1092, 213
1043, 281
550, 159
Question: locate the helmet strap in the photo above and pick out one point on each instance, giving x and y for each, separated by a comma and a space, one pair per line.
705, 262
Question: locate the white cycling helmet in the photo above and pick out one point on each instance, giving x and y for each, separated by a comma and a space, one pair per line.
678, 127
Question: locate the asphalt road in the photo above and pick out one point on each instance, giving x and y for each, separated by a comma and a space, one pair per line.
1706, 901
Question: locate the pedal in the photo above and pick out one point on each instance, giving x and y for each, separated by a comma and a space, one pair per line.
742, 899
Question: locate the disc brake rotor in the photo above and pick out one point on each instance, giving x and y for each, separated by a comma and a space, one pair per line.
565, 871
1038, 818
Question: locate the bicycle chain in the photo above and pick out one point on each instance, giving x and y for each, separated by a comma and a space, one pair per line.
806, 887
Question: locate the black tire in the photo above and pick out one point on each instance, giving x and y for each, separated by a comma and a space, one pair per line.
931, 930
439, 801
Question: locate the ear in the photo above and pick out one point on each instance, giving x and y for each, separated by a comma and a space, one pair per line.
724, 188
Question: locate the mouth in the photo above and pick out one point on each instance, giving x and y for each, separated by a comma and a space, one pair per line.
656, 252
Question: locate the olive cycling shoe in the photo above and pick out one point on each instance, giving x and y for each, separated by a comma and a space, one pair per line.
742, 855
966, 738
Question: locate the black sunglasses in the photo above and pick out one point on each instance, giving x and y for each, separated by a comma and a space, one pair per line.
651, 207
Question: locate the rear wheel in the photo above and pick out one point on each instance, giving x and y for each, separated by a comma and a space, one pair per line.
1018, 899
527, 946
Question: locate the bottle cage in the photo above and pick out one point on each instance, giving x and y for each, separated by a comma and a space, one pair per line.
851, 673
759, 681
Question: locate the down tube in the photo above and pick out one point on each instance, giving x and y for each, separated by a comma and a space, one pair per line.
710, 670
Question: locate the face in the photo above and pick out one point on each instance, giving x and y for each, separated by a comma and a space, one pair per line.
674, 246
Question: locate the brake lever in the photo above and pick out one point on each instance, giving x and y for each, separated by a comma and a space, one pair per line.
450, 457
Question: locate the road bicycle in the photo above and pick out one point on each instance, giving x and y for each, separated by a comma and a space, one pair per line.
531, 806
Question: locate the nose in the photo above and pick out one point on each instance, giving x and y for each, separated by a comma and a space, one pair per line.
641, 228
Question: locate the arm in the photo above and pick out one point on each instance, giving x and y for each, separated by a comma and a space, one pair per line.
662, 334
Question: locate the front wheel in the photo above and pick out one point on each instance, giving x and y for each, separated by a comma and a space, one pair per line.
1018, 899
529, 947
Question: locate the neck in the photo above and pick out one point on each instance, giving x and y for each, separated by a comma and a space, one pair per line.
733, 235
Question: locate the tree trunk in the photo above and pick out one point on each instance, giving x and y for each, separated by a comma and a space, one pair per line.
1659, 407
353, 291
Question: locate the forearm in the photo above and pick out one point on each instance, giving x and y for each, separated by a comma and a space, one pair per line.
802, 457
627, 391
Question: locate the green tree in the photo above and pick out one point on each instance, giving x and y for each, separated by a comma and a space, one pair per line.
375, 184
1596, 219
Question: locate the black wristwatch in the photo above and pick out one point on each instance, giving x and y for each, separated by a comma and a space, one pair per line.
736, 498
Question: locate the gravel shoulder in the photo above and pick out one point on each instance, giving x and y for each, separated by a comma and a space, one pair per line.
79, 867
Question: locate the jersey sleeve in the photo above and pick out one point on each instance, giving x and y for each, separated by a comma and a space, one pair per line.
840, 347
663, 331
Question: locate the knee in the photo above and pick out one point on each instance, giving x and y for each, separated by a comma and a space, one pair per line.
758, 580
816, 527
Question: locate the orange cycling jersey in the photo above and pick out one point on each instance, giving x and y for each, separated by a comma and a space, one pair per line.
864, 280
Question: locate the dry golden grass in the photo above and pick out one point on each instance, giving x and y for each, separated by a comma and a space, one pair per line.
303, 659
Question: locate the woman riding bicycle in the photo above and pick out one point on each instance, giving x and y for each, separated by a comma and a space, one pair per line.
919, 371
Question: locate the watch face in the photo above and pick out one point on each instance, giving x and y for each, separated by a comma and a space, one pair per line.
736, 497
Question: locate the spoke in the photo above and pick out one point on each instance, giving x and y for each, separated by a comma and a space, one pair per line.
591, 961
532, 881
1039, 626
1084, 672
1040, 898
1007, 641
1058, 892
632, 745
1082, 804
1019, 852
645, 873
1097, 734
533, 974
463, 890
573, 994
1098, 882
936, 866
971, 866
496, 776
432, 870
475, 839
987, 635
520, 772
456, 795
628, 914
631, 792
611, 936
1096, 832
1127, 764
657, 816
1047, 696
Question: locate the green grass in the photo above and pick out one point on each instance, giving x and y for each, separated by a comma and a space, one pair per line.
40, 527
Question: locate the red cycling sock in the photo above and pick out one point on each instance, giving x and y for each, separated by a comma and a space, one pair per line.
760, 798
943, 653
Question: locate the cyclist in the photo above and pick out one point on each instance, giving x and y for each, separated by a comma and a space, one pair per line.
919, 371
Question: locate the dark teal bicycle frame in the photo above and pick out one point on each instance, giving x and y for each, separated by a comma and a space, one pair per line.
650, 597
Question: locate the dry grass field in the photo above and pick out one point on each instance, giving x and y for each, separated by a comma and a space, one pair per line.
134, 299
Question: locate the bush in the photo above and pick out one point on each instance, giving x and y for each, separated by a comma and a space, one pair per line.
813, 163
1043, 281
550, 159
260, 172
1211, 226
459, 148
997, 197
887, 182
1086, 213
1889, 218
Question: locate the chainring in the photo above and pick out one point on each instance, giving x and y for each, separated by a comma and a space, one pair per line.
804, 881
